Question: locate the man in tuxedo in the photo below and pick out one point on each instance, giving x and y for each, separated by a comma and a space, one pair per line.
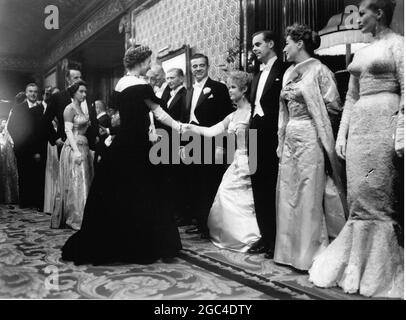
174, 174
175, 101
104, 122
157, 78
207, 104
56, 107
265, 92
30, 147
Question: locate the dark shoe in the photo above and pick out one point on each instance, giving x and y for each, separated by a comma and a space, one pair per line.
257, 248
169, 260
192, 230
269, 254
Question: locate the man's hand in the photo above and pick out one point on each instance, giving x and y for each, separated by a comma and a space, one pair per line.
59, 142
103, 131
37, 157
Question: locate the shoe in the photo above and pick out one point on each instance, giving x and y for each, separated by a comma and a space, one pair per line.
169, 260
192, 230
269, 254
257, 248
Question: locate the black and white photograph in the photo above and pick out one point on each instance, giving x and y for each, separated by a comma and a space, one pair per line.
225, 152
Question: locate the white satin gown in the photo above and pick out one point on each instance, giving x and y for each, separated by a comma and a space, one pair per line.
232, 221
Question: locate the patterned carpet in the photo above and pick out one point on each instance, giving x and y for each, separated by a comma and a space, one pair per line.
31, 268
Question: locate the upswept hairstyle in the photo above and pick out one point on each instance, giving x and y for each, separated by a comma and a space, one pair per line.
136, 55
302, 32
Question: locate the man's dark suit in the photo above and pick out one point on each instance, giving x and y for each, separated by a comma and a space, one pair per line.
56, 107
264, 180
172, 176
212, 108
105, 122
25, 127
166, 95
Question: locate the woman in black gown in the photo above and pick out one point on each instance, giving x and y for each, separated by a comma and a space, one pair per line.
121, 221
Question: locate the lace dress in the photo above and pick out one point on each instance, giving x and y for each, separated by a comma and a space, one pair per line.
366, 257
8, 171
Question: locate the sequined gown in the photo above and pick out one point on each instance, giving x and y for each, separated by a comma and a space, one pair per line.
366, 257
232, 221
8, 171
74, 179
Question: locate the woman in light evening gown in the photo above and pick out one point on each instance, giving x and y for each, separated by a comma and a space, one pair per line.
310, 199
122, 223
8, 168
51, 176
76, 164
232, 222
366, 257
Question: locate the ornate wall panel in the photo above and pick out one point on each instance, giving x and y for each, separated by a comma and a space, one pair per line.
210, 27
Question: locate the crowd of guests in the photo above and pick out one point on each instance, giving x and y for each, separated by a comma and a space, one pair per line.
321, 205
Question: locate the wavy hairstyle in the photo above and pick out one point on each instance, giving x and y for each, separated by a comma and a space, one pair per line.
311, 39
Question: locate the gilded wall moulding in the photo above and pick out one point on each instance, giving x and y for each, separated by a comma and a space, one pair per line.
102, 17
105, 15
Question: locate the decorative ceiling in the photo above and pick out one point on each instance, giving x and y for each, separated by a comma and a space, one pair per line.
22, 24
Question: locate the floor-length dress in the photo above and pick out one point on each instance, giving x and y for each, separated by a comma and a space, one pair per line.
74, 179
232, 222
366, 257
8, 171
51, 178
121, 221
302, 225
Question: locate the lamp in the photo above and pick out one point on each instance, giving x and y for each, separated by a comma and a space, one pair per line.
342, 35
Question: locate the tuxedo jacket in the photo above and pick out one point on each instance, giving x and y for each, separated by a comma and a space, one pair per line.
25, 128
212, 107
271, 94
56, 107
177, 104
104, 121
166, 95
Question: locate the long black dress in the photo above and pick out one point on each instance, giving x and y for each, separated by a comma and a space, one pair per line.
121, 221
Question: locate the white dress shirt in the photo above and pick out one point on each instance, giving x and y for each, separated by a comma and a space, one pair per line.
197, 91
266, 70
32, 104
173, 94
159, 91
